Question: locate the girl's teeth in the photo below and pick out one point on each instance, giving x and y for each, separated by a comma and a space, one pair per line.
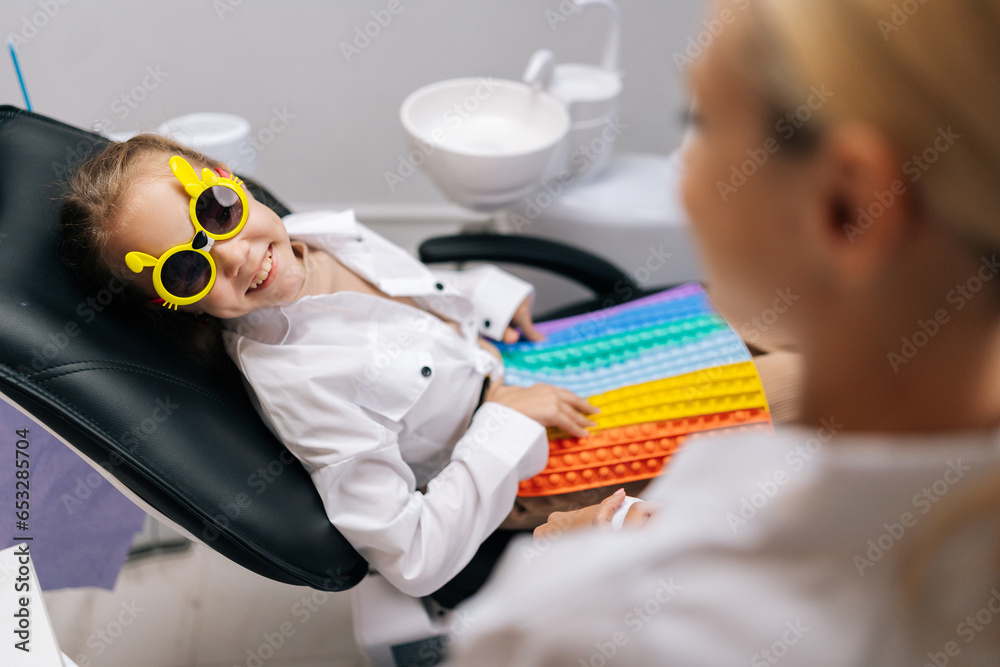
265, 269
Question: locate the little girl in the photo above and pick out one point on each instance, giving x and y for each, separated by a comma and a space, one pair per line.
364, 362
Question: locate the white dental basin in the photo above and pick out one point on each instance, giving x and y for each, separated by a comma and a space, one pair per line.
485, 143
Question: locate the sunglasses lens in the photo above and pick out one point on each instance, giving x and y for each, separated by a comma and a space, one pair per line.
219, 209
186, 273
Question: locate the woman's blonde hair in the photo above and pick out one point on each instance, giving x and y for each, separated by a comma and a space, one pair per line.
919, 71
925, 72
97, 195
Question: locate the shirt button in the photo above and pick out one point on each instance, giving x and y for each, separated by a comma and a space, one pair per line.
486, 323
426, 371
438, 286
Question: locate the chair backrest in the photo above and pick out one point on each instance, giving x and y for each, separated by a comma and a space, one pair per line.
180, 439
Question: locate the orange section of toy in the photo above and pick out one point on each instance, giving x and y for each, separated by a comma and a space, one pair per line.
628, 453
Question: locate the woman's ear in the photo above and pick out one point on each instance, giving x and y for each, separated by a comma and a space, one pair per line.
867, 208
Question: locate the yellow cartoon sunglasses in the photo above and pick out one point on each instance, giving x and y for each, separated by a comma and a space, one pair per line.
186, 273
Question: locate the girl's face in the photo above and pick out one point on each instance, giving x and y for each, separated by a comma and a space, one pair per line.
745, 199
157, 218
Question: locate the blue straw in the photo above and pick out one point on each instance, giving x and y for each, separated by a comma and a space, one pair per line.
17, 68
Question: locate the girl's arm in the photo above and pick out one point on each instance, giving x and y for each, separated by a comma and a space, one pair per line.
417, 540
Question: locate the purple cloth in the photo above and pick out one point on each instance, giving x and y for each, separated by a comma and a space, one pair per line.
81, 525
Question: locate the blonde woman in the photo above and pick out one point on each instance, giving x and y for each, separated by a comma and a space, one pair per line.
848, 151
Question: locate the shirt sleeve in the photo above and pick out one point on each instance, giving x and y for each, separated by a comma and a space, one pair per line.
417, 540
494, 294
420, 540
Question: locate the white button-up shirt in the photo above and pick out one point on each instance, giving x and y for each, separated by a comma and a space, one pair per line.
378, 399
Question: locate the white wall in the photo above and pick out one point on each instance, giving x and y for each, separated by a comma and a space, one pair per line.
87, 60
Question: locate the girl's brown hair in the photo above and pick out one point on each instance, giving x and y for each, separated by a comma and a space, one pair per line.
98, 194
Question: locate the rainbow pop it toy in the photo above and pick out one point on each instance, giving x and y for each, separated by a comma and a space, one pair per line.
662, 369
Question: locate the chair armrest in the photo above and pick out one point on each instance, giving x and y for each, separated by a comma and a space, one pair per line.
579, 265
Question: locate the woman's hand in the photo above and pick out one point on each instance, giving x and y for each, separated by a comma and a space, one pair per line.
598, 516
522, 320
586, 517
548, 405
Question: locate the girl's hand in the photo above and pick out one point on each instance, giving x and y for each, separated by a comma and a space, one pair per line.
522, 320
548, 405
